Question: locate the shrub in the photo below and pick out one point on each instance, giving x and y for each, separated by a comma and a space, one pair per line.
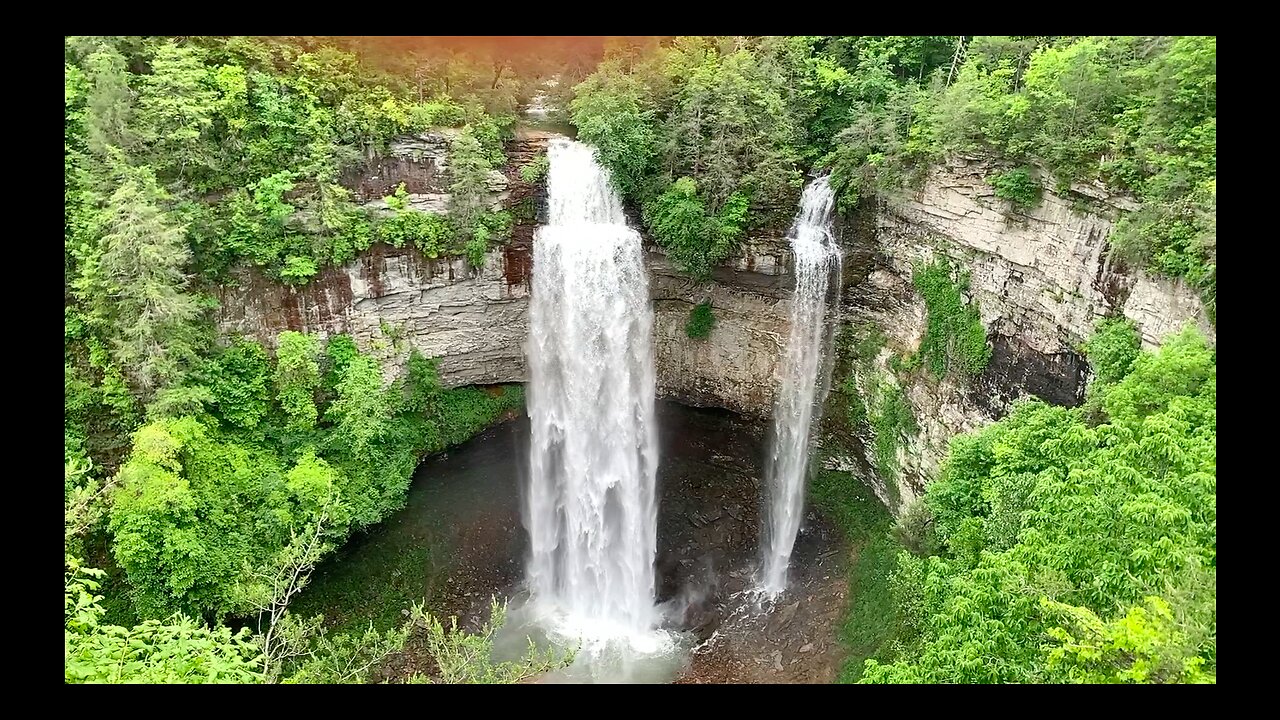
1017, 186
536, 170
701, 321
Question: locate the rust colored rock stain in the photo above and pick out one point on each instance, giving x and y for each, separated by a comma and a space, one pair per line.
371, 270
517, 261
517, 255
292, 311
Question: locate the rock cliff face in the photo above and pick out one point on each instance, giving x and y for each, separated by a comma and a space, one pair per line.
1040, 278
388, 300
475, 320
734, 366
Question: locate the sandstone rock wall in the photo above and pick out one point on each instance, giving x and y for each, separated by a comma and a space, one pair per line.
389, 300
734, 367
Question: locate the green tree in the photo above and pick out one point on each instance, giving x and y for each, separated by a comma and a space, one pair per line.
176, 108
469, 188
140, 286
609, 113
360, 412
110, 104
297, 377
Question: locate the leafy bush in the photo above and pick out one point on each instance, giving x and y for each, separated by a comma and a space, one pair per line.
701, 321
298, 270
536, 170
176, 651
695, 240
1017, 186
430, 233
1112, 350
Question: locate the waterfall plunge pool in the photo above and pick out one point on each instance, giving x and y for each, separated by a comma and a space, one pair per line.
460, 539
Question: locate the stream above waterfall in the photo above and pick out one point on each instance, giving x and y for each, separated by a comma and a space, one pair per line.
459, 540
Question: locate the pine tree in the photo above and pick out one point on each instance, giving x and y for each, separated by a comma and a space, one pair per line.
110, 103
141, 283
470, 186
176, 108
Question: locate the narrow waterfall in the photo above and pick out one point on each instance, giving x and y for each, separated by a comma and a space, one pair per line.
806, 377
590, 508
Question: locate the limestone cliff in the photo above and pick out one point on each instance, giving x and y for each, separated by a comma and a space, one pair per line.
734, 367
1041, 279
475, 320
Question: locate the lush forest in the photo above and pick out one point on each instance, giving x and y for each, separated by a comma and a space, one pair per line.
211, 477
1057, 545
206, 476
712, 135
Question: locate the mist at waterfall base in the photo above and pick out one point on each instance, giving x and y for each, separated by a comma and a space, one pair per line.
806, 378
590, 507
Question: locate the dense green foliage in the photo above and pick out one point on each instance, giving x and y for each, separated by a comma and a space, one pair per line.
701, 321
697, 131
177, 651
747, 114
1070, 551
269, 467
954, 340
205, 499
1017, 186
1112, 350
250, 135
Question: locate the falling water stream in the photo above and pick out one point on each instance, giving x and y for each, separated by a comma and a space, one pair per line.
590, 508
806, 377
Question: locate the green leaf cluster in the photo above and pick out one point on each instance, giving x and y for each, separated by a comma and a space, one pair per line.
954, 340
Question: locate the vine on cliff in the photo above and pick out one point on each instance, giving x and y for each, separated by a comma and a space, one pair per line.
954, 339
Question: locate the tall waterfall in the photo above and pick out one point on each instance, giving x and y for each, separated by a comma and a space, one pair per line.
806, 377
590, 507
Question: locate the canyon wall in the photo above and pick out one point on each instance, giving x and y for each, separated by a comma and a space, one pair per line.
474, 320
1040, 277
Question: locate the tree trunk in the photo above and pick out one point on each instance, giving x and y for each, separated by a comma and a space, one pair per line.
955, 59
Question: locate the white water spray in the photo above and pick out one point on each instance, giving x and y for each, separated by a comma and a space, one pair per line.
590, 509
806, 377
